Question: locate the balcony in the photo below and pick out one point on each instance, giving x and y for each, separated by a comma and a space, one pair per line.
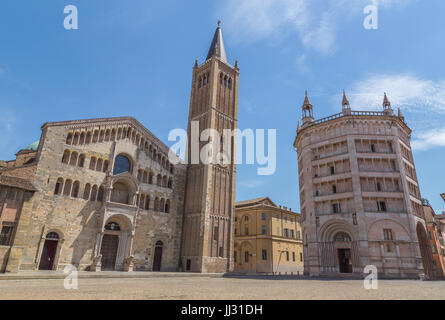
121, 208
375, 210
389, 170
353, 113
333, 196
328, 176
369, 152
330, 154
346, 213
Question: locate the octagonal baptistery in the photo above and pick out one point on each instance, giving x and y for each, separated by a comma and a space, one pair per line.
359, 196
108, 198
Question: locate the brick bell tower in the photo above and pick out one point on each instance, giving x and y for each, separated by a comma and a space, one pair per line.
209, 213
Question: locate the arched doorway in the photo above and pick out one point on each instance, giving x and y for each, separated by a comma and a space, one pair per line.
338, 248
425, 251
343, 244
110, 244
49, 251
157, 260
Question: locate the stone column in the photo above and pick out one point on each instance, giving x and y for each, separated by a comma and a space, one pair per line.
97, 259
129, 260
362, 234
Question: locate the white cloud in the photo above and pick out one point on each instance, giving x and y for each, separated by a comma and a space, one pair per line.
390, 3
429, 139
421, 100
251, 183
315, 21
406, 91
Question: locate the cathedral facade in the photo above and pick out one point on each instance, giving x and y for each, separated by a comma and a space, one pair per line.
105, 194
359, 195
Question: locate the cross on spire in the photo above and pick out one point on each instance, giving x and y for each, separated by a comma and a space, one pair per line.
217, 47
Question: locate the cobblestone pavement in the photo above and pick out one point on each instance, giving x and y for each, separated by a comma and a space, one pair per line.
220, 288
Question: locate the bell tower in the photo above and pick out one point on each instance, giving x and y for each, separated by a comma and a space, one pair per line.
208, 233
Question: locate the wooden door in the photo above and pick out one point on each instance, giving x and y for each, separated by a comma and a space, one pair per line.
344, 260
110, 244
48, 255
157, 259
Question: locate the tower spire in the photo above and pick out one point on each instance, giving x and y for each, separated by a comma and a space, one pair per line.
386, 102
345, 107
345, 101
306, 100
217, 48
307, 109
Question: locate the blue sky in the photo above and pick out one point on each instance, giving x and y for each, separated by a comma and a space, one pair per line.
136, 58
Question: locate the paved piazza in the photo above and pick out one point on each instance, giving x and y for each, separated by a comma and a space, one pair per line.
183, 288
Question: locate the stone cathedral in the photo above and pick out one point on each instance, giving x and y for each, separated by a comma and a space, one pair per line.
101, 194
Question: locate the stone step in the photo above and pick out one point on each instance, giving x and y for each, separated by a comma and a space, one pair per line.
35, 275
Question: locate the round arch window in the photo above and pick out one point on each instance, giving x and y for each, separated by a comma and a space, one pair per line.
121, 164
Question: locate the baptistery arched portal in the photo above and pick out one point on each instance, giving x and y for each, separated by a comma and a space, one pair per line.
342, 242
338, 248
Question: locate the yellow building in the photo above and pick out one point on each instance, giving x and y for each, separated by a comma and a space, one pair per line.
267, 238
